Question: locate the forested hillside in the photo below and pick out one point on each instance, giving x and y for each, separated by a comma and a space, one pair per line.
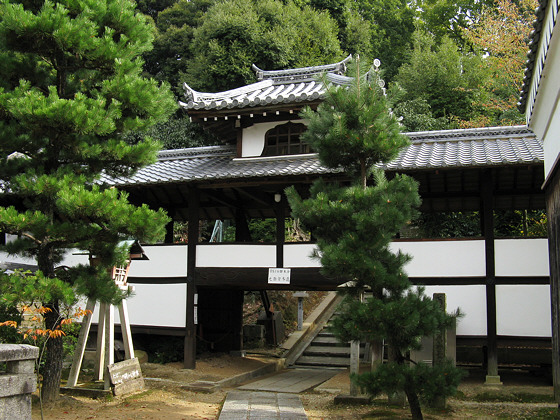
447, 64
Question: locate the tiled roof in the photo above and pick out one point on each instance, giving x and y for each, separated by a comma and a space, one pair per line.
470, 148
429, 150
533, 67
273, 87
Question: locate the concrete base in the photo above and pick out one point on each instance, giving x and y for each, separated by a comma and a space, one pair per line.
493, 380
352, 400
78, 391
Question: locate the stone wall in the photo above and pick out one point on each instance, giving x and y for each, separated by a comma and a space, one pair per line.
18, 382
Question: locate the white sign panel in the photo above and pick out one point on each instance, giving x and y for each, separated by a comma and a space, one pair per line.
279, 275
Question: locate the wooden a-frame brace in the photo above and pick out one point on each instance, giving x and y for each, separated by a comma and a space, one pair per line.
104, 355
105, 341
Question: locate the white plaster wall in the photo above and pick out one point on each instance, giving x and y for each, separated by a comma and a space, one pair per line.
443, 258
164, 261
299, 255
155, 305
521, 257
70, 259
236, 256
471, 300
253, 137
523, 310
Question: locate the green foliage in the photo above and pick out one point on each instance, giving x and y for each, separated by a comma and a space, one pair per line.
392, 27
70, 86
352, 128
172, 44
449, 225
441, 77
9, 334
447, 18
431, 382
237, 33
175, 133
354, 226
165, 350
507, 223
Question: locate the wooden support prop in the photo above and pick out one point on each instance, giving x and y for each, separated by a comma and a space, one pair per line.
81, 346
109, 342
100, 346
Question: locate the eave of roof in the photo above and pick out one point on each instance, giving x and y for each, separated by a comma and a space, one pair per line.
291, 86
531, 65
447, 149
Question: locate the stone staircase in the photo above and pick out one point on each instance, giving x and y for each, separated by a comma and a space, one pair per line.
326, 351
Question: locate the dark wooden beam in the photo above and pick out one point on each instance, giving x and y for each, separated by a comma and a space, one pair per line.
553, 214
193, 232
280, 231
257, 279
487, 198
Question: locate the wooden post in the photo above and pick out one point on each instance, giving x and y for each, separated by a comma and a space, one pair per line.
109, 343
100, 356
81, 346
355, 357
553, 214
354, 364
193, 232
125, 330
492, 377
280, 232
169, 229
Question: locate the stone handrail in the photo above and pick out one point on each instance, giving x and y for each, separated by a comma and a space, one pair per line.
18, 382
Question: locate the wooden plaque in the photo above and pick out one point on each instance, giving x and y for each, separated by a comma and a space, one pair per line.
126, 376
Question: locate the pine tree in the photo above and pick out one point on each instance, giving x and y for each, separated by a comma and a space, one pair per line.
70, 88
354, 224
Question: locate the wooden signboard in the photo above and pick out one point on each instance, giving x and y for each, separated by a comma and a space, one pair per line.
126, 376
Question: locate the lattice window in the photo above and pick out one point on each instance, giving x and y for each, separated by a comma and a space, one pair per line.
285, 139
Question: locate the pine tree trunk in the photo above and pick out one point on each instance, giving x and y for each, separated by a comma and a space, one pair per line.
52, 369
363, 174
413, 402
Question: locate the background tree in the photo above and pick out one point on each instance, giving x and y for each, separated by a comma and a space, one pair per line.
70, 87
500, 35
354, 225
234, 34
167, 61
439, 85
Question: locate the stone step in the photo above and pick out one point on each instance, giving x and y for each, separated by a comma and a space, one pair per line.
329, 351
323, 361
329, 341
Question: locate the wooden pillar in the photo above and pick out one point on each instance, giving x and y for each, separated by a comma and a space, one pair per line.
552, 191
492, 377
280, 231
193, 232
169, 229
242, 231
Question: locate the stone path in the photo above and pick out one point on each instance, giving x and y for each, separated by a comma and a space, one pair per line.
292, 380
280, 402
244, 405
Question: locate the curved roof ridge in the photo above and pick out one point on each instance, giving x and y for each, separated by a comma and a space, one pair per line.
201, 151
196, 96
302, 73
459, 134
